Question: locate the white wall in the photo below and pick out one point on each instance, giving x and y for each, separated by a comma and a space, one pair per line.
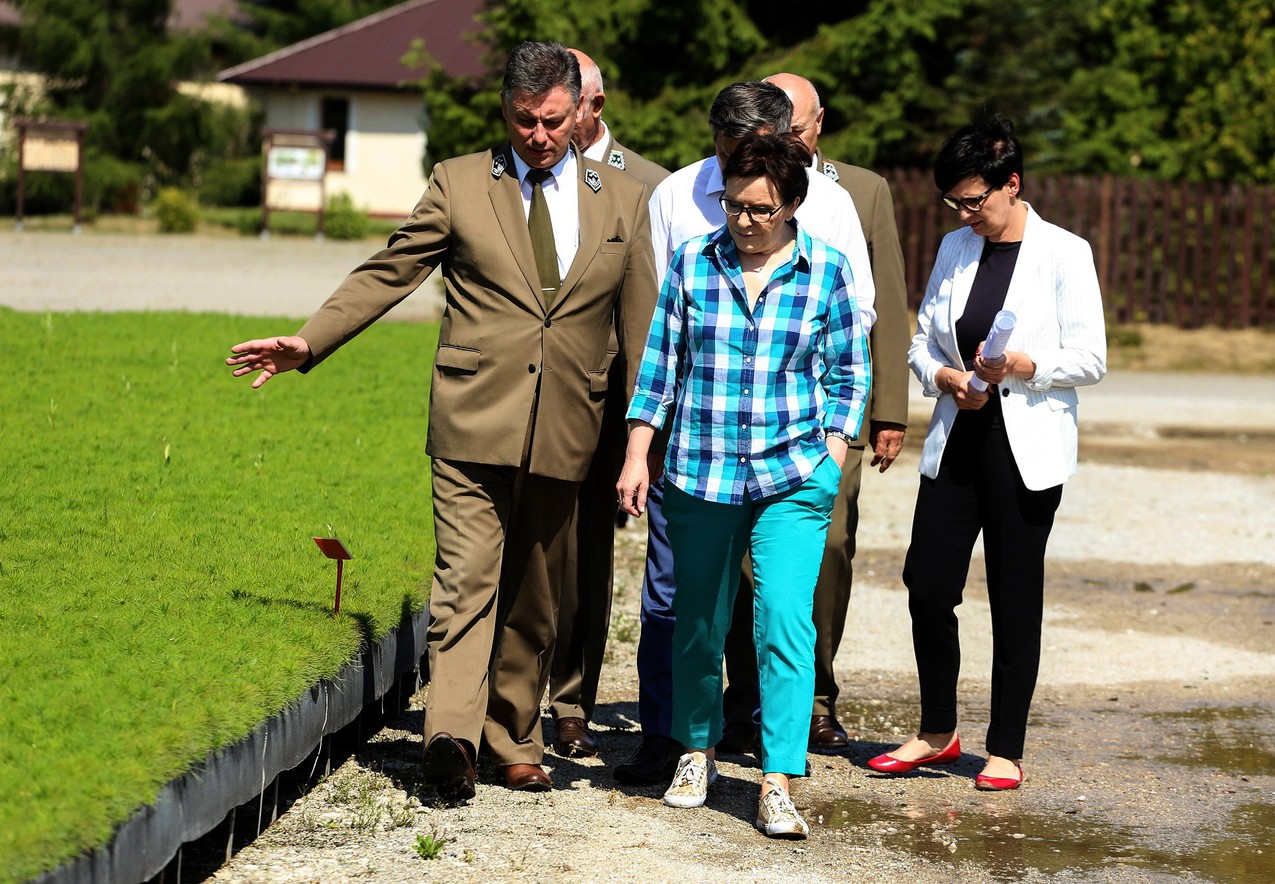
383, 150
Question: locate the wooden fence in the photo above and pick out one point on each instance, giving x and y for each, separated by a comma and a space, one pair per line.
1189, 255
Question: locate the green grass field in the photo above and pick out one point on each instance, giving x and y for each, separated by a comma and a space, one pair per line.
159, 591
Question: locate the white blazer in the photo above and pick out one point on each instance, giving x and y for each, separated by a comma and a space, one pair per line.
1054, 293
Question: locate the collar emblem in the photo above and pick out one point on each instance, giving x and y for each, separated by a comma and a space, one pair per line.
616, 159
831, 171
593, 179
498, 166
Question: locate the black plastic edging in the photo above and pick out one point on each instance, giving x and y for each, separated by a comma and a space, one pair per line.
197, 801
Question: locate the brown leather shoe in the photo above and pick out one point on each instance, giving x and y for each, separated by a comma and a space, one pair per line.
827, 734
527, 778
573, 739
449, 768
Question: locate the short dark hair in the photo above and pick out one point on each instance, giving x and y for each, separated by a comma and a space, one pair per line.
986, 149
749, 106
781, 159
538, 67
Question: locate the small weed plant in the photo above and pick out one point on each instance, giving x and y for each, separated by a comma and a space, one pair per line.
429, 846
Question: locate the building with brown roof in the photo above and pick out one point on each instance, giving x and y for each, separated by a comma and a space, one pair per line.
353, 80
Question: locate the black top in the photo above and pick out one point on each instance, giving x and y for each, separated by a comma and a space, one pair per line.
987, 297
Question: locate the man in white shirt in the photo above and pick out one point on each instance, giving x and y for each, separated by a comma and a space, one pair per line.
685, 205
688, 203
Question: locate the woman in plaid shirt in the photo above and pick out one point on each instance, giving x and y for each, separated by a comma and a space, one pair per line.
757, 355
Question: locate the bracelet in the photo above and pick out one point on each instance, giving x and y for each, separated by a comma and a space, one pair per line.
845, 437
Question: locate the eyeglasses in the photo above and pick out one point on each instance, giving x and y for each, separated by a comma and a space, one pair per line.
969, 203
756, 214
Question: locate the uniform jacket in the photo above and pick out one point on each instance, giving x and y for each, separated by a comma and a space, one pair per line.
498, 344
889, 335
620, 157
1054, 294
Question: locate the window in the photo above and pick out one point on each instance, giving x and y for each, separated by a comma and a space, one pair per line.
334, 114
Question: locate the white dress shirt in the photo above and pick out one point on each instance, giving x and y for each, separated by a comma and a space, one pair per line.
687, 204
563, 199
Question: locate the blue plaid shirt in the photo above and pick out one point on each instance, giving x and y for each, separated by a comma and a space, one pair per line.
752, 391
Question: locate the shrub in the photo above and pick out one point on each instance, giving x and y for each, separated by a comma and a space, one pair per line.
232, 183
176, 211
343, 220
111, 184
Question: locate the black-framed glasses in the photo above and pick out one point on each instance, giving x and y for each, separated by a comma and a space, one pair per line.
756, 214
969, 203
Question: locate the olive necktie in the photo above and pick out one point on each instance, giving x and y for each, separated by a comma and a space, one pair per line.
541, 227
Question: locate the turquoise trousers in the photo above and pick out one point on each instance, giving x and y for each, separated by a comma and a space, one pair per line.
785, 536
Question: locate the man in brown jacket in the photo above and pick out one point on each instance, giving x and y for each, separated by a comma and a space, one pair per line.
886, 420
546, 256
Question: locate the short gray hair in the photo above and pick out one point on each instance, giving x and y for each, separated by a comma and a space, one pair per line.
535, 68
750, 106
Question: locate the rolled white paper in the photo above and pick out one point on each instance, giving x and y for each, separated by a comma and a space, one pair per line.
994, 346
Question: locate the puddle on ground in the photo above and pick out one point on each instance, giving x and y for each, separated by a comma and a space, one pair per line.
1230, 739
1008, 843
876, 716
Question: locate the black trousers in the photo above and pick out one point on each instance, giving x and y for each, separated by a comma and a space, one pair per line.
978, 489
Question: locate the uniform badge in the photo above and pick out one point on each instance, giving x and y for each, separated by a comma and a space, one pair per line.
498, 166
831, 171
616, 159
593, 179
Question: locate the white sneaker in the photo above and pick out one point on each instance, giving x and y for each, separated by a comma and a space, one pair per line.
778, 818
695, 773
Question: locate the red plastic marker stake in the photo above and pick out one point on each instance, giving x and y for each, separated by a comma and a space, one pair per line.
335, 549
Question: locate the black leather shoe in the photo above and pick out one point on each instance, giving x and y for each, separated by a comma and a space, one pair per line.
827, 734
655, 761
449, 768
739, 738
573, 739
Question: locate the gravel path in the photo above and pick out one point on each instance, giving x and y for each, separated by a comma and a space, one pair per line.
1149, 754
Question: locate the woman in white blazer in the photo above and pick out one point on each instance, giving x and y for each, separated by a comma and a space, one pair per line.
994, 462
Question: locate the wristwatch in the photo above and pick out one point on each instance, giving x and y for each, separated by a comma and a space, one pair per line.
845, 437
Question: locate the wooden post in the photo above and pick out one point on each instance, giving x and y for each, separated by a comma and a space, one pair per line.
265, 187
22, 175
79, 180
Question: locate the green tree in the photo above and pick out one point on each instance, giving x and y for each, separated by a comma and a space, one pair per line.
1169, 88
1177, 90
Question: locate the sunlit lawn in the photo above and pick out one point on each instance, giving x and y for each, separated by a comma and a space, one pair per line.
159, 591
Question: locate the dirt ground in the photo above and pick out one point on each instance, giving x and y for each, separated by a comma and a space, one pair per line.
1149, 752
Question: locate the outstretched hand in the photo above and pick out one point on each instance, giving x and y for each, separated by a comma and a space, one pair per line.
270, 356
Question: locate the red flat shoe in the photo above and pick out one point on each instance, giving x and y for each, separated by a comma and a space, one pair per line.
984, 783
889, 764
